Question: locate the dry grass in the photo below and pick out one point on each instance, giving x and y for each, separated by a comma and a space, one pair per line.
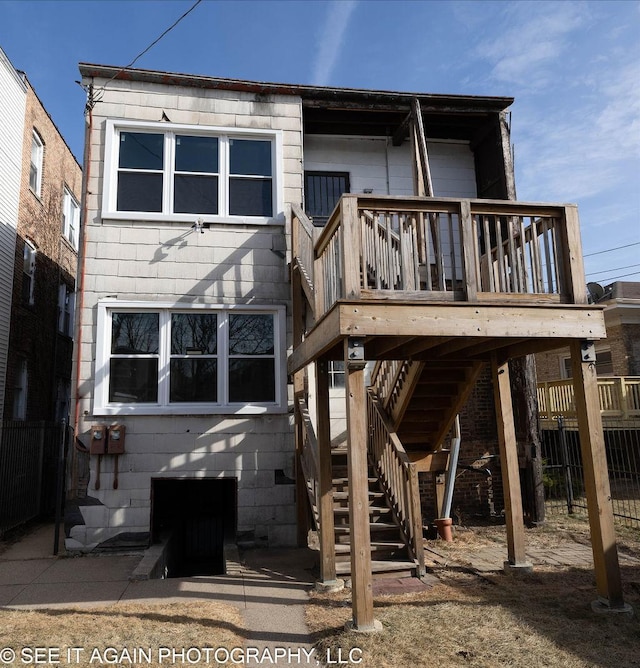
123, 626
495, 620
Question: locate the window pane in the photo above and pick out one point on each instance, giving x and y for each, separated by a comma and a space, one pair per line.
250, 156
251, 334
133, 381
195, 194
141, 150
138, 191
196, 154
250, 197
252, 380
194, 334
194, 380
134, 333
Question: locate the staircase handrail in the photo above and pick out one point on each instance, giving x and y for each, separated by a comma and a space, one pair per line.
309, 457
398, 476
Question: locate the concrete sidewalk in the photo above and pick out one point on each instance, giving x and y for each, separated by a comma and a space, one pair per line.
269, 588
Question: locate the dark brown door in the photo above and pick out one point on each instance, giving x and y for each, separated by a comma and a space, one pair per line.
322, 190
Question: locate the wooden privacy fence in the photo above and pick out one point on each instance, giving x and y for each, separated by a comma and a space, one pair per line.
398, 476
443, 249
619, 398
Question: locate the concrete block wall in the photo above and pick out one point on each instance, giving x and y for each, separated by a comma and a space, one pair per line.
169, 262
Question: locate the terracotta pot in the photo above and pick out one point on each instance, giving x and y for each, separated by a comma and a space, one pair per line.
443, 524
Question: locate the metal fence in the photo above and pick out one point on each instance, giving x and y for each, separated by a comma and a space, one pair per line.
563, 474
32, 456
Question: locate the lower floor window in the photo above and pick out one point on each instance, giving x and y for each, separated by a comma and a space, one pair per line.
199, 359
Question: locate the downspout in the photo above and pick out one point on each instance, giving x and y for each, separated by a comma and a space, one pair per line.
443, 524
86, 172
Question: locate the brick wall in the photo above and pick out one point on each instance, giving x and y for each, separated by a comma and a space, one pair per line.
33, 333
476, 494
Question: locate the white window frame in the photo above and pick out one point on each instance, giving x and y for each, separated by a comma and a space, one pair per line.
29, 269
37, 152
170, 130
70, 218
101, 404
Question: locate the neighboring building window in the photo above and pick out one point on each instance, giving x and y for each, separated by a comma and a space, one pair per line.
20, 390
66, 307
70, 218
35, 169
185, 172
63, 399
336, 374
189, 360
604, 364
28, 273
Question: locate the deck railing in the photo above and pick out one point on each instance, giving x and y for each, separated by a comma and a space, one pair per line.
619, 398
425, 248
399, 477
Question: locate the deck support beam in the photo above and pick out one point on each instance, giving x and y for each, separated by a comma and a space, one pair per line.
325, 486
509, 465
596, 479
361, 575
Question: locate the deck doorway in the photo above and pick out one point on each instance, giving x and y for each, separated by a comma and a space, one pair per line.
194, 519
322, 191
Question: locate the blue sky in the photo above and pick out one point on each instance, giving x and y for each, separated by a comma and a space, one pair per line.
573, 67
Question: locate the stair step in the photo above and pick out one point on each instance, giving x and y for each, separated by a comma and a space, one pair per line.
344, 496
345, 481
395, 568
373, 510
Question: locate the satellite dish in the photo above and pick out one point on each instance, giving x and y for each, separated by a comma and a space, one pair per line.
596, 292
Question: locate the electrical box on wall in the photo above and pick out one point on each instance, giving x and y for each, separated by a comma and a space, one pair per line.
115, 439
98, 442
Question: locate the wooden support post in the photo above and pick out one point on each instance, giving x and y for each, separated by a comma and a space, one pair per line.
325, 491
509, 464
596, 478
361, 576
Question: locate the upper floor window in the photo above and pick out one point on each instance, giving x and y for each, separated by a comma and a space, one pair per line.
28, 273
199, 359
187, 172
35, 169
20, 390
70, 218
66, 307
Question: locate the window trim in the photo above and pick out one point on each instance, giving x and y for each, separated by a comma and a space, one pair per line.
32, 251
36, 140
67, 229
169, 130
101, 404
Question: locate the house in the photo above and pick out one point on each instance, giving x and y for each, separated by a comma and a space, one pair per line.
617, 362
12, 105
41, 187
244, 239
619, 353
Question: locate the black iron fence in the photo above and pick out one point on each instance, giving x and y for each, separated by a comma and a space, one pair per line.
563, 475
32, 457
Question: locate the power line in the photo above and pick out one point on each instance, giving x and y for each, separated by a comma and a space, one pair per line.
608, 271
100, 91
615, 278
636, 243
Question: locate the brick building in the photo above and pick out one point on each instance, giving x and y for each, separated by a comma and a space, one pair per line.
619, 353
46, 248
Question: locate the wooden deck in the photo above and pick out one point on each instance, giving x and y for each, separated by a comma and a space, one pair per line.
433, 290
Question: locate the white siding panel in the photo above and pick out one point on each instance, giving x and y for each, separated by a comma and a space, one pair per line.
377, 165
12, 110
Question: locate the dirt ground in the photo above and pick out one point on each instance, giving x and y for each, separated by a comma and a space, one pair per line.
490, 620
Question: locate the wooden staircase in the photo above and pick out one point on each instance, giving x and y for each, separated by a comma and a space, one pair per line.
389, 551
441, 390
